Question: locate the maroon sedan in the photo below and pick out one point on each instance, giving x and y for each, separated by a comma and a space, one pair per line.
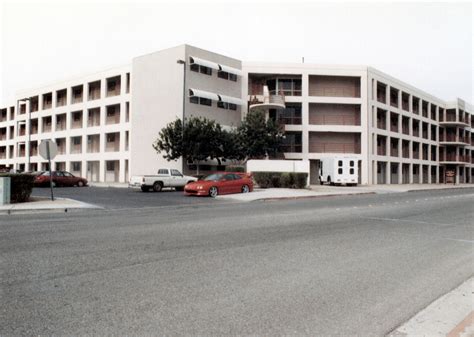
220, 183
60, 178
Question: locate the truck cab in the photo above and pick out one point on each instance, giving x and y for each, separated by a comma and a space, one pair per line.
165, 177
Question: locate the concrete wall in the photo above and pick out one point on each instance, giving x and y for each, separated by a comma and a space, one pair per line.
278, 166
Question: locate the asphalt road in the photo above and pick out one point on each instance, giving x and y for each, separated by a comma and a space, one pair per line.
119, 197
355, 265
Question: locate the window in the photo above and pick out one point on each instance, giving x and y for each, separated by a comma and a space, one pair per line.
225, 105
110, 166
339, 171
162, 171
237, 177
76, 140
110, 112
228, 177
194, 100
205, 101
202, 69
76, 166
77, 117
233, 77
223, 74
351, 163
67, 174
339, 163
111, 137
205, 70
176, 173
351, 171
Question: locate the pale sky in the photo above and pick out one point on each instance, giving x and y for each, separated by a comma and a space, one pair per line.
428, 45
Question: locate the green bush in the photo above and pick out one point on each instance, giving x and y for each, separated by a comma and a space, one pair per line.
232, 168
21, 186
280, 179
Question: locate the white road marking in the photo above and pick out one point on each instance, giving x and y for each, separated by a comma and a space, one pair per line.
460, 240
412, 221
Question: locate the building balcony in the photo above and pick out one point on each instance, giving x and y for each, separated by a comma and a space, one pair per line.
269, 100
454, 159
454, 140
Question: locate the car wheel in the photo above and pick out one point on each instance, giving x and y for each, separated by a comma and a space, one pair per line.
213, 192
245, 189
157, 187
145, 188
80, 183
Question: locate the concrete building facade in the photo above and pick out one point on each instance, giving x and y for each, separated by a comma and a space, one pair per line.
105, 124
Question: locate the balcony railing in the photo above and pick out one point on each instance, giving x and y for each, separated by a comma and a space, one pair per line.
336, 120
289, 120
456, 158
381, 150
454, 139
335, 148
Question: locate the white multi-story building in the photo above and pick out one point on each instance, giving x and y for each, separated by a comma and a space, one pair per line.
105, 123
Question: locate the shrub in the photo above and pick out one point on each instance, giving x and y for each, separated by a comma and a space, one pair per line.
287, 180
232, 168
275, 180
280, 179
300, 180
21, 186
262, 179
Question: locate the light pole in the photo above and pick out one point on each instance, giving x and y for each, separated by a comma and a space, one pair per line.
29, 128
183, 62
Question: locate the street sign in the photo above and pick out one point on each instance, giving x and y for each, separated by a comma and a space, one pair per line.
48, 149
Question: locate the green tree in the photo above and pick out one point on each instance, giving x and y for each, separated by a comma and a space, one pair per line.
198, 140
259, 137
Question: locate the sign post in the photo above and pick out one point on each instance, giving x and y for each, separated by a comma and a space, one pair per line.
48, 150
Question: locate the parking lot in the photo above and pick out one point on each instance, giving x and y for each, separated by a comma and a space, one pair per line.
115, 198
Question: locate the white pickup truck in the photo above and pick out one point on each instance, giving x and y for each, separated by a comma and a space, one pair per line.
165, 178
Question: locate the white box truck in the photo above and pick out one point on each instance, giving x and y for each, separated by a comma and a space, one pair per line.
338, 171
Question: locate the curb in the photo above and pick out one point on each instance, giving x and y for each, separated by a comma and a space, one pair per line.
313, 196
79, 206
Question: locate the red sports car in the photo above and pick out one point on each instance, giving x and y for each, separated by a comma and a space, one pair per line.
220, 183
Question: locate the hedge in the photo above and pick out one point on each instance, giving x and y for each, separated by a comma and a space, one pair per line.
281, 179
21, 186
233, 168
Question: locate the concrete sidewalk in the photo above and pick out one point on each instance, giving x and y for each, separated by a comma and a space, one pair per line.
325, 190
41, 204
451, 315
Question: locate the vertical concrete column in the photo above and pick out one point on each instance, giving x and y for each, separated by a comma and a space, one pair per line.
421, 171
102, 167
85, 92
387, 120
429, 174
410, 173
84, 169
387, 95
122, 178
68, 144
388, 172
103, 85
123, 90
399, 100
68, 166
85, 115
68, 95
123, 112
40, 102
103, 115
388, 146
53, 99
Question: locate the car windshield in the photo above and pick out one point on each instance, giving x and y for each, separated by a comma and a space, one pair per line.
214, 177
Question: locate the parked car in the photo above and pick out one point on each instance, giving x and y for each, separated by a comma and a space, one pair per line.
166, 177
221, 183
60, 178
